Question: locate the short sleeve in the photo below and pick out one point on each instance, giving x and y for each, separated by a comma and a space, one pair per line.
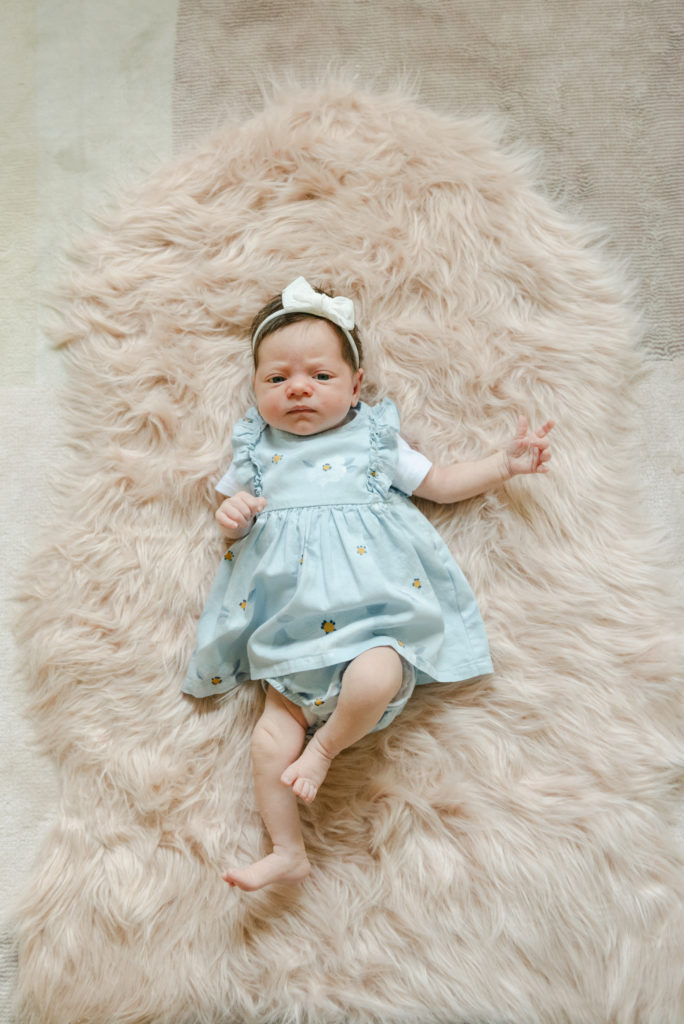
383, 420
246, 467
411, 469
229, 484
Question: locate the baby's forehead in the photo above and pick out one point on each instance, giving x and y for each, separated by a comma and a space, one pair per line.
305, 340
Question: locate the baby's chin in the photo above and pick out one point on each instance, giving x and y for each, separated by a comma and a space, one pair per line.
304, 424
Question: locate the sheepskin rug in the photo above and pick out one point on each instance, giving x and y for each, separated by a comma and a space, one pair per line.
503, 852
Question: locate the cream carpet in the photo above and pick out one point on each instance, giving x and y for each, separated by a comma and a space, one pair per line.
507, 849
595, 88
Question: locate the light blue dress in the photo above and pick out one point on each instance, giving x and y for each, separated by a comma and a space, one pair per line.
338, 562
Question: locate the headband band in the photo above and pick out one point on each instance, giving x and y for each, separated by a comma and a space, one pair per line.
300, 297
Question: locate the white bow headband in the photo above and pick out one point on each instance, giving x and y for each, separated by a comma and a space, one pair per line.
300, 297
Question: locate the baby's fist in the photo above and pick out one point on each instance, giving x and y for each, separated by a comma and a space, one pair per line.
236, 514
529, 450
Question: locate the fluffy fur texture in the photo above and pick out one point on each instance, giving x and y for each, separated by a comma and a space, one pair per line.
504, 851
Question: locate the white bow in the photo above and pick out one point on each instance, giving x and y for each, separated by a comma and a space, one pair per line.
300, 297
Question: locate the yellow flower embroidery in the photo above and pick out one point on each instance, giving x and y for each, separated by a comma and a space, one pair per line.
328, 626
401, 643
373, 472
243, 604
417, 584
361, 550
216, 681
229, 556
301, 559
318, 703
276, 459
326, 466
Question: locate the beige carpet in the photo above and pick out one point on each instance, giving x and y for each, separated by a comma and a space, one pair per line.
594, 88
506, 851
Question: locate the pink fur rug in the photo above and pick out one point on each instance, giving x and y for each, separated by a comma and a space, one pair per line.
505, 851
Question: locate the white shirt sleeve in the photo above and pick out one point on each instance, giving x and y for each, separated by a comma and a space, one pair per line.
411, 470
412, 467
228, 484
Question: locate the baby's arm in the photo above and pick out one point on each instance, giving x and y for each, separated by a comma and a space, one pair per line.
528, 452
235, 515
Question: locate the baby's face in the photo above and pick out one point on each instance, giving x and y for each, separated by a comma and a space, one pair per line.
302, 383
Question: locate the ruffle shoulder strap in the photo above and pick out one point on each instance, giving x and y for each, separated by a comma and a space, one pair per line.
246, 434
384, 428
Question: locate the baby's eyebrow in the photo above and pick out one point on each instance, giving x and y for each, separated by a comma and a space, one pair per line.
311, 364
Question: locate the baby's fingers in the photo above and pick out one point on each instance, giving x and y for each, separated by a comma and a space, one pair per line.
539, 440
240, 510
542, 461
543, 431
521, 429
225, 519
256, 505
235, 512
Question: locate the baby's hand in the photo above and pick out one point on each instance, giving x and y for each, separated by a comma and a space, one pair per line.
528, 452
236, 514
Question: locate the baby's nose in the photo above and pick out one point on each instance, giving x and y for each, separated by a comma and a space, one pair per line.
300, 385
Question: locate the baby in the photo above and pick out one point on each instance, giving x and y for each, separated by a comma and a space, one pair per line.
335, 590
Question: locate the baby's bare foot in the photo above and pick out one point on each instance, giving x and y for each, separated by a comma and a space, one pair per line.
306, 774
281, 867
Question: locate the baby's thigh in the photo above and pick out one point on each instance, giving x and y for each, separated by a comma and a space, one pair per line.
278, 709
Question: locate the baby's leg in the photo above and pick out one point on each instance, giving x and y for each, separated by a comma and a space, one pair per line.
368, 685
278, 737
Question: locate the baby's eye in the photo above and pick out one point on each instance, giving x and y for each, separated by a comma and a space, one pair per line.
323, 376
277, 378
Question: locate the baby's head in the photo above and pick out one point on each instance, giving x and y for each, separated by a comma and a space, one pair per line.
307, 355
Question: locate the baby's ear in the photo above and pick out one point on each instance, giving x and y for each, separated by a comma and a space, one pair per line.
357, 381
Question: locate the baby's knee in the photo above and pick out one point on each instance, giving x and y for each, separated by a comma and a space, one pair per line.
272, 742
389, 669
265, 739
393, 684
381, 669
